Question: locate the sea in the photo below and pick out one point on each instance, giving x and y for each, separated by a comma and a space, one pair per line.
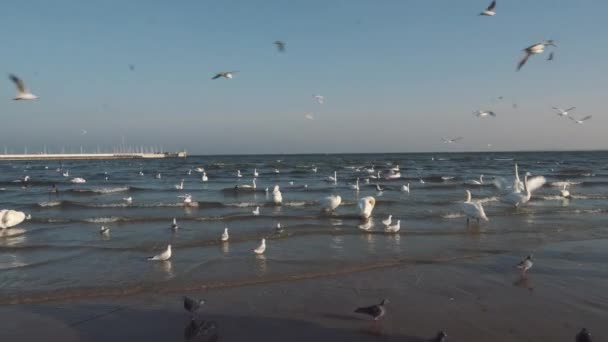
59, 253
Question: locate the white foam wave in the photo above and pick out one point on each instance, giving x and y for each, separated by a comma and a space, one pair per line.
452, 215
102, 219
49, 204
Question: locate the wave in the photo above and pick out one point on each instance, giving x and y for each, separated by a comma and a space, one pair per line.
102, 190
72, 204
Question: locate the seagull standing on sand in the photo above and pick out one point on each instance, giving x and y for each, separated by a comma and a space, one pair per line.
525, 264
563, 112
473, 210
580, 121
192, 305
22, 92
490, 11
377, 311
164, 256
225, 74
225, 235
535, 49
280, 45
261, 248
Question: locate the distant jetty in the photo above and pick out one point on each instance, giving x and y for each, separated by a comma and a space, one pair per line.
91, 156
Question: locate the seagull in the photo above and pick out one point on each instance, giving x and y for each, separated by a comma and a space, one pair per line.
440, 337
394, 228
224, 74
388, 220
332, 202
22, 92
225, 235
377, 311
490, 11
261, 248
580, 121
551, 56
280, 45
174, 225
192, 305
534, 50
525, 264
278, 229
473, 210
129, 199
256, 212
583, 336
165, 255
563, 112
158, 176
484, 113
406, 188
319, 98
451, 141
104, 230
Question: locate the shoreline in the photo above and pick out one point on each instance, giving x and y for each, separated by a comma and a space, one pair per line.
89, 156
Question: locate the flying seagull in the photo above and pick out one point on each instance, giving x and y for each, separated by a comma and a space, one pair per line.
563, 112
224, 74
580, 121
280, 45
534, 50
22, 92
319, 98
484, 113
451, 141
308, 116
490, 11
192, 305
551, 55
377, 311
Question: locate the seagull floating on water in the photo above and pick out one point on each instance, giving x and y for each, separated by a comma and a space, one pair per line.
22, 92
490, 11
563, 112
165, 255
377, 311
525, 264
580, 121
534, 50
224, 74
225, 235
261, 248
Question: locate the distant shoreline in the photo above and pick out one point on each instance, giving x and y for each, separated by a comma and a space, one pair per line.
91, 156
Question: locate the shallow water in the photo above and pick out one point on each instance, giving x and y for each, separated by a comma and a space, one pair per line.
59, 253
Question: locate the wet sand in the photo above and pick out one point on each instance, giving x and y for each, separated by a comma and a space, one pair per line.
477, 299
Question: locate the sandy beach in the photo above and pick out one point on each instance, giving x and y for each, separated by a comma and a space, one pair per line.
473, 299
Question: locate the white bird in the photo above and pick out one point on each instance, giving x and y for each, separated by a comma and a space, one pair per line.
406, 188
490, 11
314, 169
278, 229
370, 170
451, 140
332, 202
356, 185
319, 98
393, 175
534, 50
277, 171
334, 178
78, 180
198, 169
564, 192
422, 181
580, 121
309, 116
388, 220
141, 173
473, 210
277, 197
204, 177
158, 176
180, 186
129, 199
225, 74
518, 198
22, 92
238, 173
484, 113
225, 235
563, 112
255, 173
247, 186
367, 225
261, 248
165, 255
189, 172
104, 230
66, 173
256, 212
394, 228
187, 199
366, 206
10, 218
475, 181
174, 225
525, 264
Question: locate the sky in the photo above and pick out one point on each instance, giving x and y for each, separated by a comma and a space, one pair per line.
397, 75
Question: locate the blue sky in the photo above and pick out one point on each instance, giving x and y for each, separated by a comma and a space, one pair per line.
397, 75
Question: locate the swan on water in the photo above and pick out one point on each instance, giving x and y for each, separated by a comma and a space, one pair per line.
366, 206
356, 185
256, 211
10, 218
564, 192
473, 210
406, 188
225, 235
78, 180
247, 186
518, 198
334, 178
277, 197
255, 173
104, 230
204, 177
475, 181
331, 203
180, 186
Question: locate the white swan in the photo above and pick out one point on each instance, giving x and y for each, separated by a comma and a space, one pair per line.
180, 186
370, 170
330, 203
78, 180
174, 225
199, 169
314, 169
247, 186
366, 206
255, 173
22, 92
277, 197
261, 248
225, 235
165, 255
406, 188
475, 181
473, 210
388, 220
256, 211
564, 192
356, 185
10, 218
394, 228
518, 198
333, 179
277, 171
238, 174
129, 199
393, 175
66, 173
158, 176
204, 177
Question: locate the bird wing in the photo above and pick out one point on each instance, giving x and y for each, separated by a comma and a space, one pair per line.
536, 183
492, 6
586, 117
216, 76
523, 61
492, 113
550, 58
571, 118
18, 83
569, 109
